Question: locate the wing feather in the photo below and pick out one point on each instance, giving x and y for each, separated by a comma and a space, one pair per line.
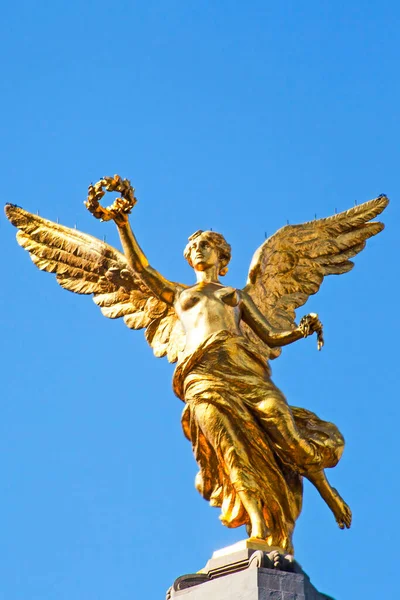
137, 320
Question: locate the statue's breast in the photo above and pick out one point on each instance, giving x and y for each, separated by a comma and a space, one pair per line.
209, 296
228, 295
188, 299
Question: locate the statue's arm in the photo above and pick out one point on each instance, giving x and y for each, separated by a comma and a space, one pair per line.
162, 288
263, 329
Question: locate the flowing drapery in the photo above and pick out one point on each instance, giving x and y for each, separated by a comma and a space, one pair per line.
224, 385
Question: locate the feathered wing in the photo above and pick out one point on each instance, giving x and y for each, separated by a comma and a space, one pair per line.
85, 265
291, 265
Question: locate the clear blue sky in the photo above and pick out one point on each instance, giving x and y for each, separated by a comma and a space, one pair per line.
230, 115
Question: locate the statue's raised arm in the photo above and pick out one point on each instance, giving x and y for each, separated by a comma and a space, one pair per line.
119, 212
122, 285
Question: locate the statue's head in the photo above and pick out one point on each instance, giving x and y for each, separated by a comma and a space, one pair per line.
205, 249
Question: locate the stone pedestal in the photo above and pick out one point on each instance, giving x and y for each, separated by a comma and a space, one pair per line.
249, 570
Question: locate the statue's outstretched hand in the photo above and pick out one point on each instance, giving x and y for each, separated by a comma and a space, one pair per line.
119, 210
310, 324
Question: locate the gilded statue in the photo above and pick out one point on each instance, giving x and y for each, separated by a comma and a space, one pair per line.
252, 448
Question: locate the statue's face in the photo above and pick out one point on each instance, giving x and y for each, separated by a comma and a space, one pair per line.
203, 254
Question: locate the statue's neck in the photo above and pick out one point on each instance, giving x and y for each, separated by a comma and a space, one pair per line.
209, 275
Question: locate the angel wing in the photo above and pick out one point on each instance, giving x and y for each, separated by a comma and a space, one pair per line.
291, 265
85, 265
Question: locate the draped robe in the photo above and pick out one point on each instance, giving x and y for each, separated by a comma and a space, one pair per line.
223, 384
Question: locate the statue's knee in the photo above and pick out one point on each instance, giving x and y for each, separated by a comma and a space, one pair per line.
272, 407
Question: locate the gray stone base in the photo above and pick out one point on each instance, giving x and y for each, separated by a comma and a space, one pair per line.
247, 572
254, 584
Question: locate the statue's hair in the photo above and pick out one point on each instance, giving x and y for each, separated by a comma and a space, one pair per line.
218, 241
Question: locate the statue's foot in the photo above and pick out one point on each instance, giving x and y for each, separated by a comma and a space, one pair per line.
332, 497
258, 530
340, 509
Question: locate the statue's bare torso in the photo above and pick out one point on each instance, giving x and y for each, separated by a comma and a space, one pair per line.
207, 308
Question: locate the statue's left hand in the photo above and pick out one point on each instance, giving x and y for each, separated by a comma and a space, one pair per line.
310, 324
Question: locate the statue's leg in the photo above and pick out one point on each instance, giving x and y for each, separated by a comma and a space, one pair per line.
332, 497
228, 444
278, 422
253, 506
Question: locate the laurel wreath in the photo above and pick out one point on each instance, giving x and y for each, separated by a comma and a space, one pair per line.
120, 208
305, 328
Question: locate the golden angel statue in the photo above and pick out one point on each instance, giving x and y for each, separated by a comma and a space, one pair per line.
252, 448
